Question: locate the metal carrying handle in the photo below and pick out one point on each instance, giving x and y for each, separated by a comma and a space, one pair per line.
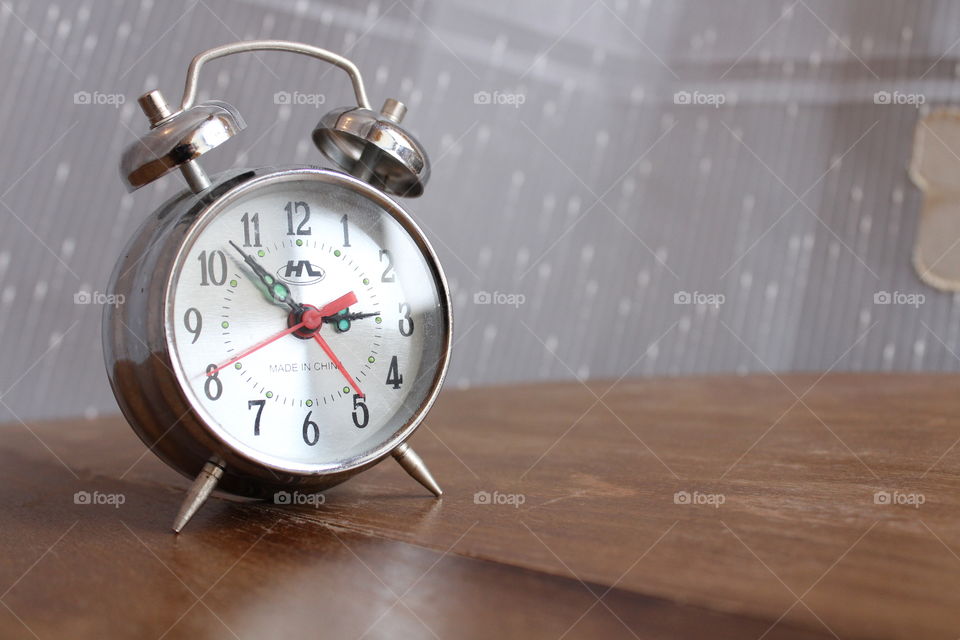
190, 88
370, 145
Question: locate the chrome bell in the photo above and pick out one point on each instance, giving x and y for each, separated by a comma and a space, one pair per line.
175, 140
375, 148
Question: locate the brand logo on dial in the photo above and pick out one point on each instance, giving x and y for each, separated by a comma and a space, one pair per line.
300, 272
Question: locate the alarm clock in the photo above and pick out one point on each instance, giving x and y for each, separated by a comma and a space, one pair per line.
282, 328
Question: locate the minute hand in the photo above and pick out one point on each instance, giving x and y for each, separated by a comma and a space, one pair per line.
277, 290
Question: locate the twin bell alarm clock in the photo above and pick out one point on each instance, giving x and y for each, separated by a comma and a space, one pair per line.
283, 328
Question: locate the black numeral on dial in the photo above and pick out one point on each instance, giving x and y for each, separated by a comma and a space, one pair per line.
303, 209
247, 223
388, 274
406, 322
394, 379
346, 231
361, 415
311, 431
212, 387
213, 268
256, 420
193, 327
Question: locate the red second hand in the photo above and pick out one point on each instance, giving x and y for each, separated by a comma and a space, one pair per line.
336, 306
259, 345
312, 320
336, 361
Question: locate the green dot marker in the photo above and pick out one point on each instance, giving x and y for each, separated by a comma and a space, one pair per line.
261, 253
309, 403
280, 291
366, 281
236, 366
346, 389
224, 324
269, 394
343, 325
300, 244
233, 283
379, 320
371, 359
337, 253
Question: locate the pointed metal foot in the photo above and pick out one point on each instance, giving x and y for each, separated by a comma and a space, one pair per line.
199, 491
413, 464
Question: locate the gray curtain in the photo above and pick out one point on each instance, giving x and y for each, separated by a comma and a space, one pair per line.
648, 188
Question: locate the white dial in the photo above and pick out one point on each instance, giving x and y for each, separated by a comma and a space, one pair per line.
306, 322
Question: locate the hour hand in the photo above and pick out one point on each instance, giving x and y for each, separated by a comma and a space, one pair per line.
276, 289
350, 316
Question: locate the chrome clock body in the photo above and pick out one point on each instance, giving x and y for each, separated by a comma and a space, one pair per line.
224, 358
147, 374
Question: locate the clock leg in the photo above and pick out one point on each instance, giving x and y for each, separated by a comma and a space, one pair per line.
199, 491
413, 464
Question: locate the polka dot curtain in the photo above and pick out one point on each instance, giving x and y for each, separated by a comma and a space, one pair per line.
619, 188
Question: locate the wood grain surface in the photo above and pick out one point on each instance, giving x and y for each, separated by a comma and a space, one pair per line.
720, 507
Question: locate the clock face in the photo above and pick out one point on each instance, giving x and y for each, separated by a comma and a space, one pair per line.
307, 321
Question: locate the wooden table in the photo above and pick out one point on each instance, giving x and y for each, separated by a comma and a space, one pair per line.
712, 507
